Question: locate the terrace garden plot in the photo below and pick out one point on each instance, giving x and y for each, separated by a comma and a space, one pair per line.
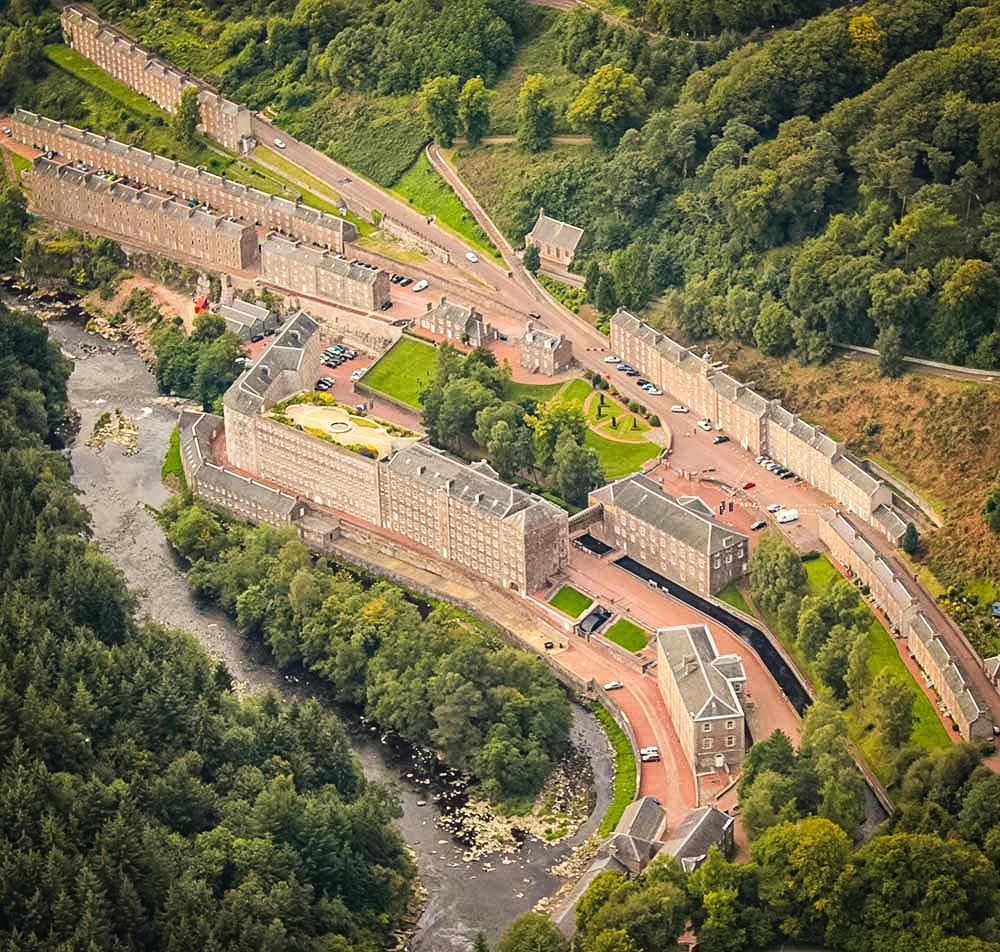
570, 602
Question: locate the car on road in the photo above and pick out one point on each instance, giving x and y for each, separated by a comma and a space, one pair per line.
653, 391
649, 755
749, 485
678, 408
7, 131
385, 305
643, 382
357, 375
405, 282
421, 285
474, 258
705, 425
786, 516
758, 525
613, 686
395, 278
549, 645
721, 438
775, 507
280, 143
788, 474
324, 383
534, 315
612, 360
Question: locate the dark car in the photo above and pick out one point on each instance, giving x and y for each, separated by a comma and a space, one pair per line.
396, 278
549, 645
385, 305
256, 339
788, 475
759, 524
406, 282
720, 439
643, 382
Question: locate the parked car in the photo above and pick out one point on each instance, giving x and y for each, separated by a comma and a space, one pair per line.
612, 360
643, 382
405, 282
775, 507
654, 391
256, 339
385, 305
357, 375
469, 256
549, 645
721, 438
324, 383
421, 285
677, 408
705, 425
759, 524
786, 516
749, 485
649, 755
280, 143
788, 474
613, 686
7, 130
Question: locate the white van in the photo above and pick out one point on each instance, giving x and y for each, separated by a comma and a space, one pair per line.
786, 516
677, 408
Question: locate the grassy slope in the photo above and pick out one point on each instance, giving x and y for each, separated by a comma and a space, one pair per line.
734, 597
624, 792
172, 461
627, 634
569, 601
539, 392
539, 54
404, 371
425, 190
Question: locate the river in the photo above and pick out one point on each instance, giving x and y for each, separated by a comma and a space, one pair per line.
462, 897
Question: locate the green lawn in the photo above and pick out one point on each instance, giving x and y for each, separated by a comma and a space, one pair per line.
92, 75
20, 163
928, 731
624, 791
404, 371
172, 461
539, 392
620, 459
733, 596
630, 636
426, 191
569, 601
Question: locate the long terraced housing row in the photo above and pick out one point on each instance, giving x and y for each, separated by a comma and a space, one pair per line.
762, 426
223, 120
184, 182
140, 217
890, 592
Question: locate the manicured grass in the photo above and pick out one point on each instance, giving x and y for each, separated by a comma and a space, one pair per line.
426, 191
819, 572
571, 602
92, 75
630, 636
172, 461
539, 392
624, 790
20, 163
404, 371
620, 459
733, 596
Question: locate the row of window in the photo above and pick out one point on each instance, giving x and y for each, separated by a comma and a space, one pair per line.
708, 743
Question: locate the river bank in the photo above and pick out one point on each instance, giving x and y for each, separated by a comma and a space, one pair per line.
117, 483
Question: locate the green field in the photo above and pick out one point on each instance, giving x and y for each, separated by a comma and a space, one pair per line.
92, 75
539, 392
425, 190
404, 371
20, 163
571, 602
734, 597
624, 792
630, 636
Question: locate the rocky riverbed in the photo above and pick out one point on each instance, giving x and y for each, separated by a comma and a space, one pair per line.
470, 883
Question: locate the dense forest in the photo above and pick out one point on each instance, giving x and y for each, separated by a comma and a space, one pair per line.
443, 682
142, 805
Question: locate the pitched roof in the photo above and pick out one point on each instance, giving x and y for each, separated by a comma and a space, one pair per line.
703, 677
557, 233
457, 315
642, 818
319, 258
697, 833
646, 500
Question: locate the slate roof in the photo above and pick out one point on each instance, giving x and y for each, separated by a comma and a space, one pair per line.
697, 833
277, 365
642, 818
646, 500
892, 525
457, 315
557, 233
973, 707
540, 337
703, 677
319, 258
853, 472
438, 472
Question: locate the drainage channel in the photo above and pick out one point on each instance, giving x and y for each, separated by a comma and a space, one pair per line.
778, 667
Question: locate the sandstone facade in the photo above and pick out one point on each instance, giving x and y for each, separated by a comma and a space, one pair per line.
139, 216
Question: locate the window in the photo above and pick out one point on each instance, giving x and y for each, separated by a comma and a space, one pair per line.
707, 728
730, 741
706, 743
730, 725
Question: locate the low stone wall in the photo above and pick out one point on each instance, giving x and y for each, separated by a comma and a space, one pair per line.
903, 493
